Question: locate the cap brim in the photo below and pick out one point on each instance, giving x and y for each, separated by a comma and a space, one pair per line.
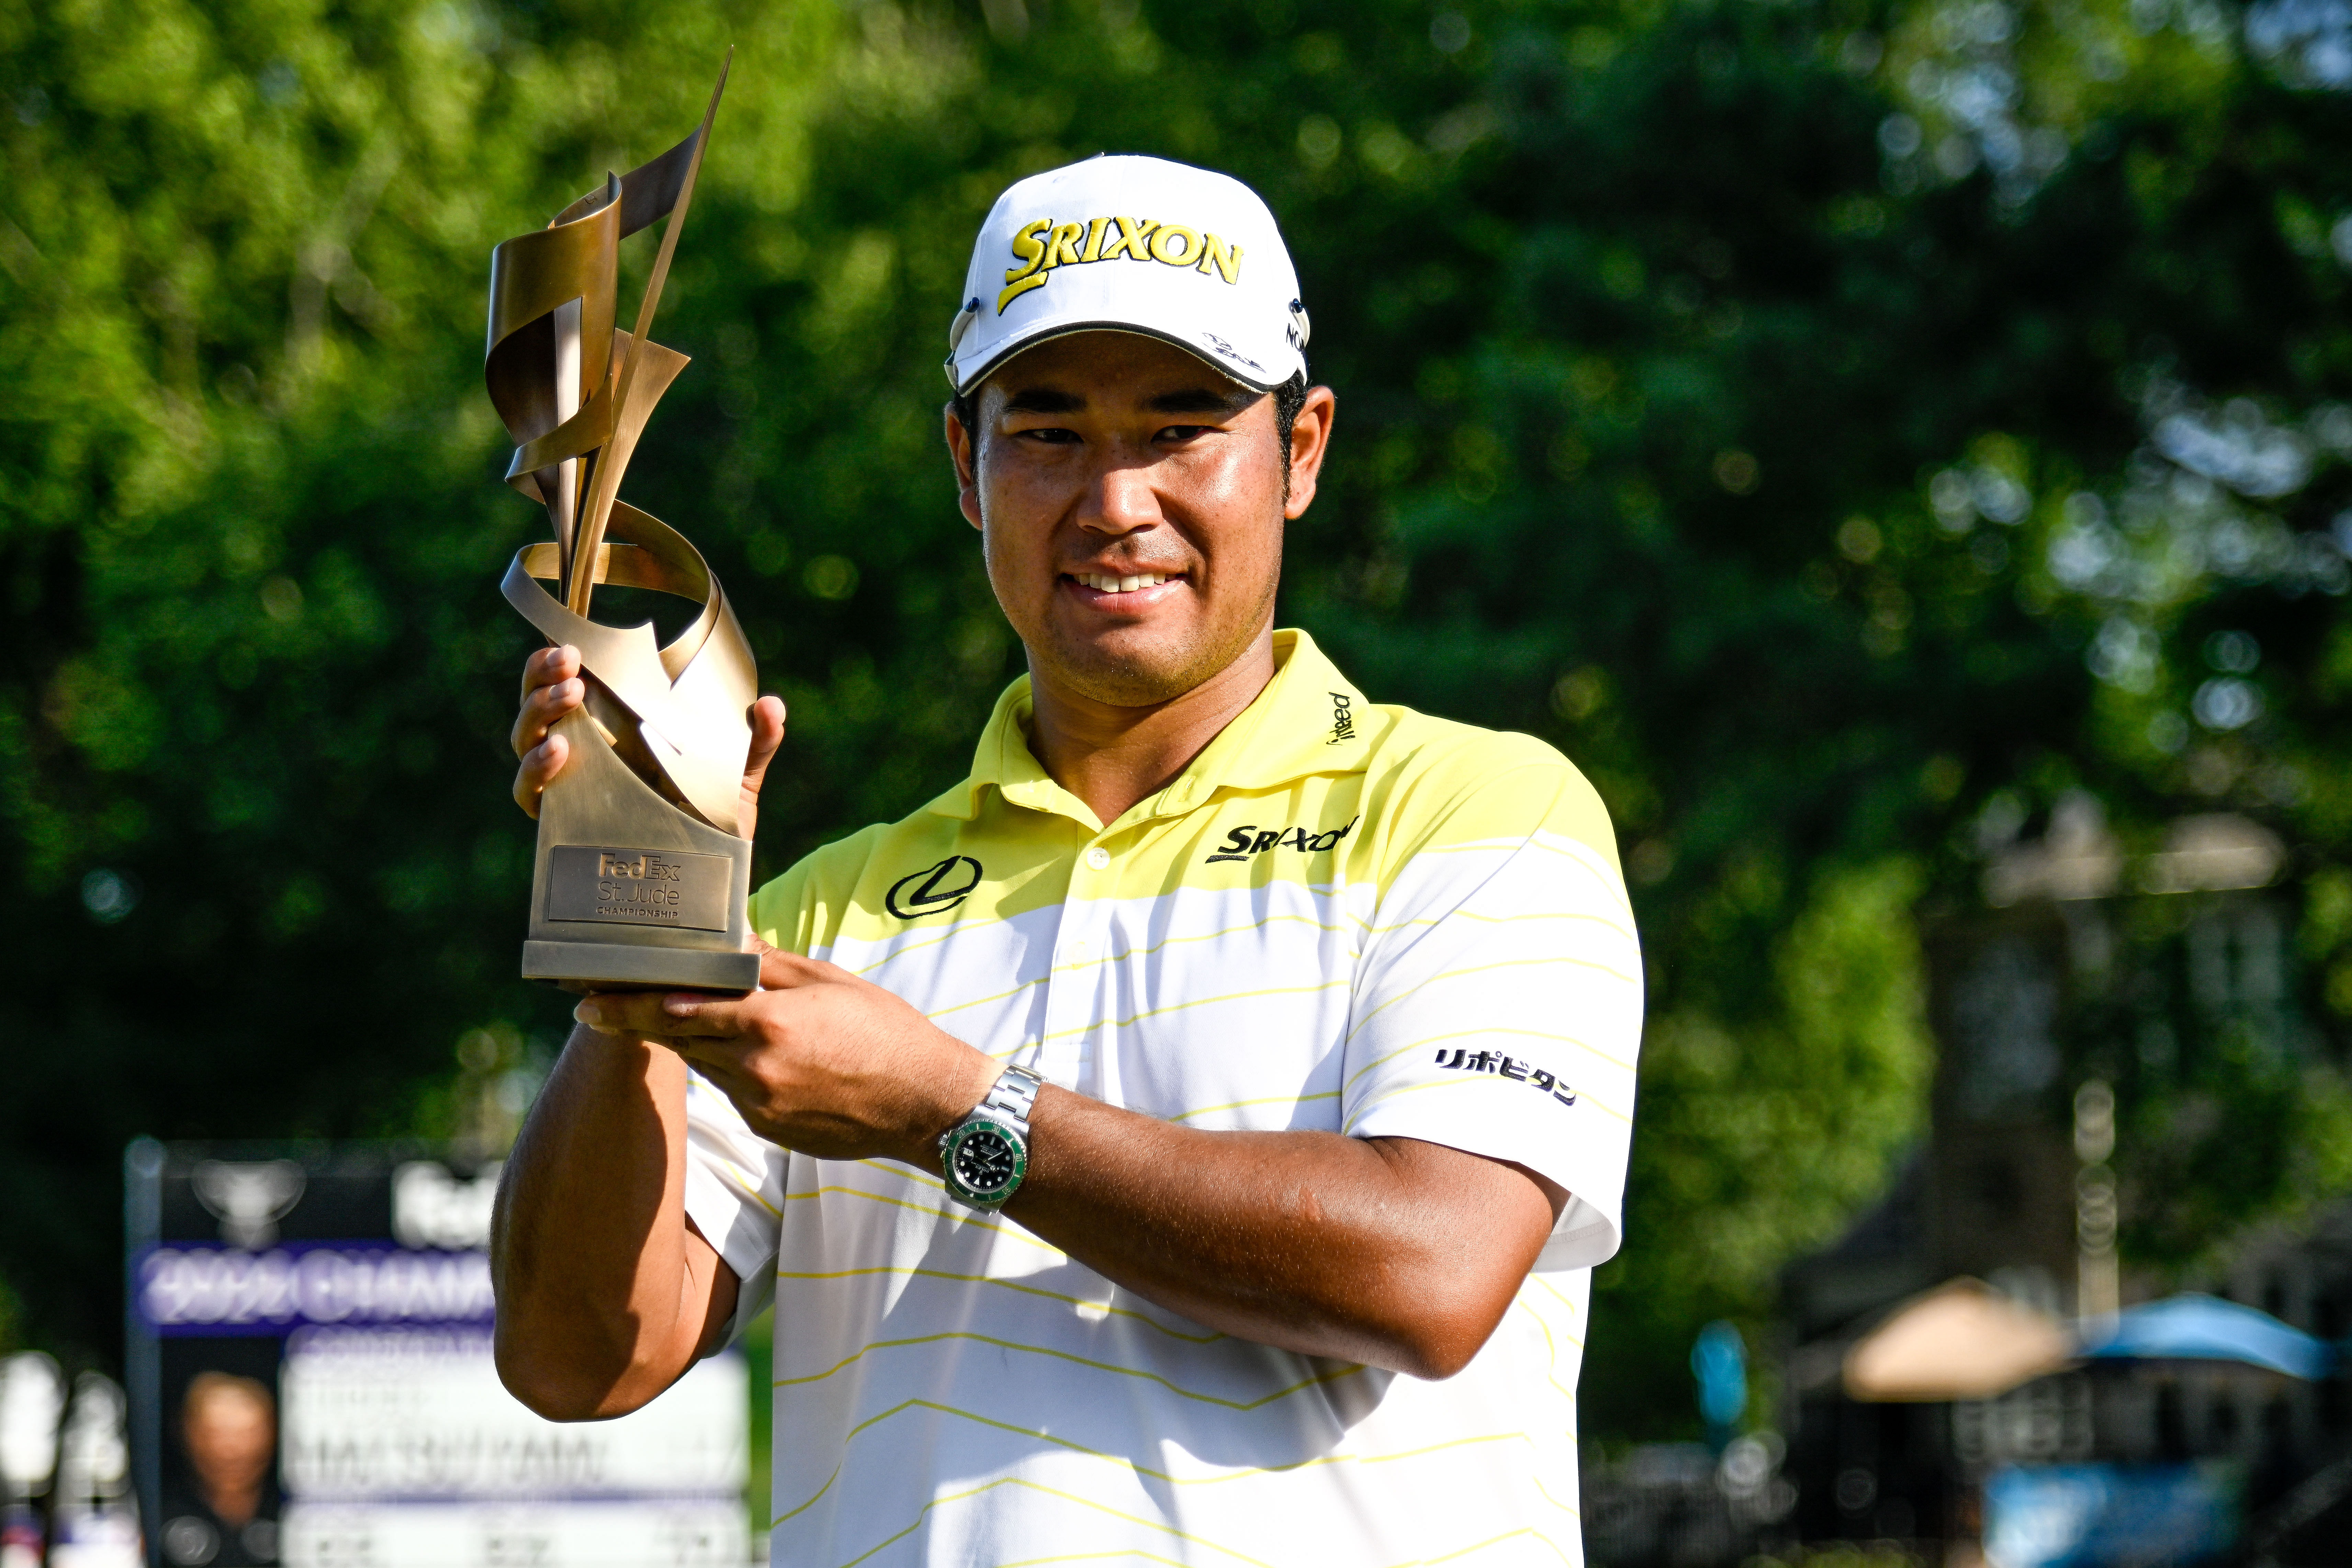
1047, 333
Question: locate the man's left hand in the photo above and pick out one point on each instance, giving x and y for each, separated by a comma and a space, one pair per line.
816, 1059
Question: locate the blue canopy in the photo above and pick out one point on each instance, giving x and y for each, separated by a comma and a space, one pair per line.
2205, 1327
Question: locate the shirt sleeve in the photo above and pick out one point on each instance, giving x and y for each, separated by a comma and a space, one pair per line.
734, 1195
735, 1178
1498, 1005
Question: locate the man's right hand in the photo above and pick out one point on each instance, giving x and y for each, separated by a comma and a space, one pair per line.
553, 689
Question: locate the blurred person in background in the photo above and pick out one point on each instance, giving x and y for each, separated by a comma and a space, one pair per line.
1193, 1132
227, 1514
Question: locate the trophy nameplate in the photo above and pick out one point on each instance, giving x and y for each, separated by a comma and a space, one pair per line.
642, 878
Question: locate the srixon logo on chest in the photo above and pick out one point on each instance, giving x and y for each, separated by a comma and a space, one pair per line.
1250, 839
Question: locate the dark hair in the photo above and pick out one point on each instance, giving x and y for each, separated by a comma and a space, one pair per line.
1289, 399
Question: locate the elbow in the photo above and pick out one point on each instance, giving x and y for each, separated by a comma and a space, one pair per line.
1444, 1336
542, 1388
1435, 1363
561, 1362
1433, 1355
556, 1388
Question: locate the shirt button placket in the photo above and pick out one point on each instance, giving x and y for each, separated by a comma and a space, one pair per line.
1070, 989
1093, 937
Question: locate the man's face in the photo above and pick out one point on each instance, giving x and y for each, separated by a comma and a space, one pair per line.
1131, 500
230, 1436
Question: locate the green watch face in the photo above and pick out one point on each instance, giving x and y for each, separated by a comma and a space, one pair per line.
984, 1163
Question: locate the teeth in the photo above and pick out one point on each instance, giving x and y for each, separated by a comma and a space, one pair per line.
1102, 583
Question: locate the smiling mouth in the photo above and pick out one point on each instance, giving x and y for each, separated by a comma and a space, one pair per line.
1102, 583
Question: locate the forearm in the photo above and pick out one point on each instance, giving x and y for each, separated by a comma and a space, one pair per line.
1389, 1252
605, 1295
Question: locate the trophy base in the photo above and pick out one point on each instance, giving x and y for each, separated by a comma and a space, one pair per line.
606, 966
629, 892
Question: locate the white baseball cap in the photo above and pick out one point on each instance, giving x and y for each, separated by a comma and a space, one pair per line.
1133, 245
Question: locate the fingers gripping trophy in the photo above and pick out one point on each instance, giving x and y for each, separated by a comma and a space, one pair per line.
643, 870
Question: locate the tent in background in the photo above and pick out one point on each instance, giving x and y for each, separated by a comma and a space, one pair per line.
1963, 1340
2192, 1327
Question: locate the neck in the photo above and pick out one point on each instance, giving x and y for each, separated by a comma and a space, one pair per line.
1111, 756
235, 1503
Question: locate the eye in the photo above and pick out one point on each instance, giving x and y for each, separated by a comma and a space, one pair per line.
1181, 433
1053, 436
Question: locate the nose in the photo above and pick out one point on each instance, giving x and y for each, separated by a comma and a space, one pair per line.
1120, 501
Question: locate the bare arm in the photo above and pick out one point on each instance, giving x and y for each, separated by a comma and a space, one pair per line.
1386, 1251
606, 1292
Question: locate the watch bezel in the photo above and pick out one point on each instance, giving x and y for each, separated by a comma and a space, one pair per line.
995, 1198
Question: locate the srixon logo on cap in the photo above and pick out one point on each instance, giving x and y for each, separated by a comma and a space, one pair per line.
1040, 247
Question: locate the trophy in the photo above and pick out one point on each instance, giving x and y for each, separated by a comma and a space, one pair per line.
642, 878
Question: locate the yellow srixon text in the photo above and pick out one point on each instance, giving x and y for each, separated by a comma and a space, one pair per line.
1044, 245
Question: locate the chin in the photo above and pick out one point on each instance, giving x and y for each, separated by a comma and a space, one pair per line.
1130, 667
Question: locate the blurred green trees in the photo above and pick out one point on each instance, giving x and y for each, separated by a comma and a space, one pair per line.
1821, 419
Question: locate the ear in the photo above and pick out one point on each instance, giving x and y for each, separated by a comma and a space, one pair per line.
1310, 439
965, 454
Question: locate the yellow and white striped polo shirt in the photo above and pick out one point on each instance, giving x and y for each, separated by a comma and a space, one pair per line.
1342, 916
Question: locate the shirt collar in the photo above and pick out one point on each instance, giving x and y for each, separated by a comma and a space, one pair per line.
1310, 720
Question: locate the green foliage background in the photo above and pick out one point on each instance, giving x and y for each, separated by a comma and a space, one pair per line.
1717, 391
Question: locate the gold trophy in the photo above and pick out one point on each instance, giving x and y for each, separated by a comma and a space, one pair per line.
642, 878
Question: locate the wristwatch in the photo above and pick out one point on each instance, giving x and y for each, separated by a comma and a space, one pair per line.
985, 1156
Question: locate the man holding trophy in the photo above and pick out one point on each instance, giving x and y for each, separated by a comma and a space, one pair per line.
1189, 1138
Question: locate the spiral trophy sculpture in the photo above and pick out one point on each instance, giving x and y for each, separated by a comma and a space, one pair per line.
642, 875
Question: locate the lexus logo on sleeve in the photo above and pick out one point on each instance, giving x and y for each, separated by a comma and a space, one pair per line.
933, 889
